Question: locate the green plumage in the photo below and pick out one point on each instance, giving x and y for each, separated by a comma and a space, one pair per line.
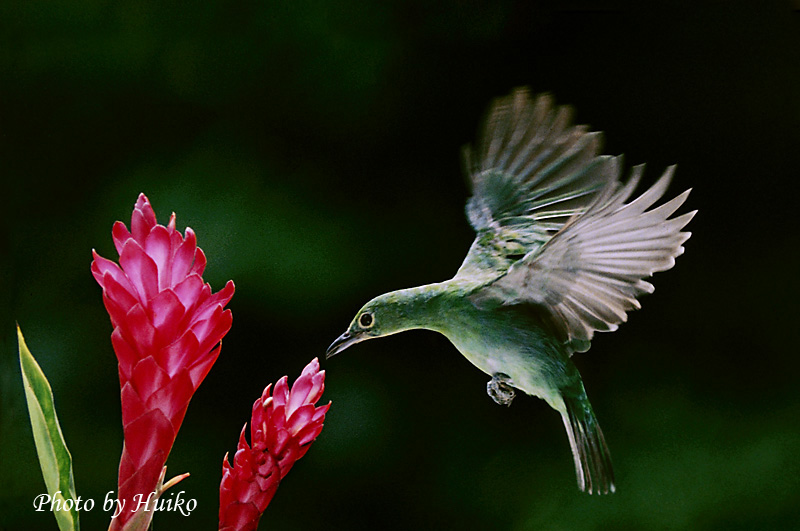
559, 254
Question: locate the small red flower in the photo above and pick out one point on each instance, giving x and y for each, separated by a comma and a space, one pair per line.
167, 330
282, 428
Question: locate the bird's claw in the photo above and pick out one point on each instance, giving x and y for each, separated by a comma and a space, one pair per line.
500, 389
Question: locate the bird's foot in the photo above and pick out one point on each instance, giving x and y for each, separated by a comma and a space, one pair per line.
500, 389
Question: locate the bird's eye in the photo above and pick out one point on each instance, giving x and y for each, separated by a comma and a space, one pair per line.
366, 320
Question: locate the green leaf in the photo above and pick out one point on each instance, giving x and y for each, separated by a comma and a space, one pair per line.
54, 458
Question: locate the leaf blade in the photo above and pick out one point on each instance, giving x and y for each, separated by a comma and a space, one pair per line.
54, 457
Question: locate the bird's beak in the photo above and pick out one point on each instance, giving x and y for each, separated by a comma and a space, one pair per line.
342, 342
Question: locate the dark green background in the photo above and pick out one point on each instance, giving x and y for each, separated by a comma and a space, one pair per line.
314, 148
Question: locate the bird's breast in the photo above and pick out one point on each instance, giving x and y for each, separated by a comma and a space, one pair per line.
505, 341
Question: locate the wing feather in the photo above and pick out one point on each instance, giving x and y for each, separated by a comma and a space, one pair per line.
589, 274
531, 173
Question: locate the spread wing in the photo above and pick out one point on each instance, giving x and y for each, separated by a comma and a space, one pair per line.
589, 274
531, 172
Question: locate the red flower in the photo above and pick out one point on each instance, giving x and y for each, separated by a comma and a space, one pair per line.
167, 324
282, 428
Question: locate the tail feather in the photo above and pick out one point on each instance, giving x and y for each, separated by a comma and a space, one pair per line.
589, 450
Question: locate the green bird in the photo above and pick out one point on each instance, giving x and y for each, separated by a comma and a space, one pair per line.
560, 253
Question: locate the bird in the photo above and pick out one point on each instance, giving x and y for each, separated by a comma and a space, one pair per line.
561, 251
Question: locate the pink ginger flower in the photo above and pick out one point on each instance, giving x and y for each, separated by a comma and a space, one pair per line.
167, 330
282, 428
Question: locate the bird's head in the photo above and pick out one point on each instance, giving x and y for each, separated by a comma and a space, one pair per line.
382, 316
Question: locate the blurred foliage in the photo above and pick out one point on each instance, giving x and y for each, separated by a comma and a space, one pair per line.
313, 146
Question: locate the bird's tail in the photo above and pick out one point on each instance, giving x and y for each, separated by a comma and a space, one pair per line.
592, 459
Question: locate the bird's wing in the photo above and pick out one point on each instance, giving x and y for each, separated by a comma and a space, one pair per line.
589, 274
531, 172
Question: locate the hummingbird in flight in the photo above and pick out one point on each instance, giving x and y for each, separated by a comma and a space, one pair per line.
560, 252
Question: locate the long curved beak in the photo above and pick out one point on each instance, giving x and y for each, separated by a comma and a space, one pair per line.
342, 342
